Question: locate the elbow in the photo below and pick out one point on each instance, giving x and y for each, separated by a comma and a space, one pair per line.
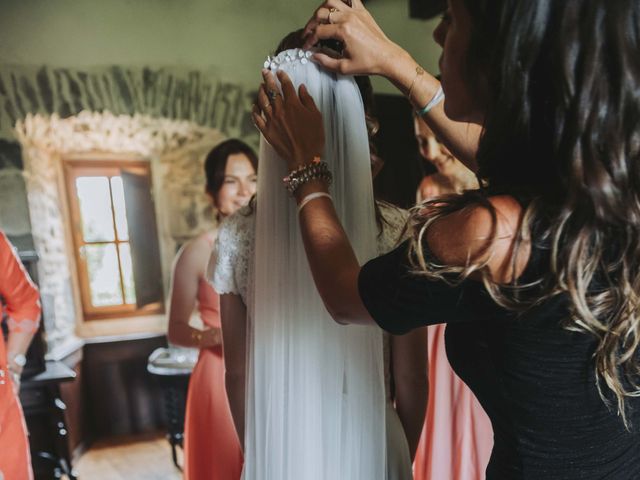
342, 300
339, 313
343, 315
339, 316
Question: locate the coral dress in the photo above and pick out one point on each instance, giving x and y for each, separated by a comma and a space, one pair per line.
212, 449
457, 439
23, 311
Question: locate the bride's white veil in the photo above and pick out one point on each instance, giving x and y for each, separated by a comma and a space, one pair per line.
315, 389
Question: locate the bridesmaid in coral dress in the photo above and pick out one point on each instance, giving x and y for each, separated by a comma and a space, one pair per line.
22, 304
457, 437
211, 447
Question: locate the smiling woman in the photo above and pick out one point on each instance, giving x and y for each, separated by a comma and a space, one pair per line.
230, 169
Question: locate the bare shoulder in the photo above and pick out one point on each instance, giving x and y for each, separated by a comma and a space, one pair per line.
194, 255
476, 234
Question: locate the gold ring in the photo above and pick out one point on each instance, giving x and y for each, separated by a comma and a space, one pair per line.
331, 10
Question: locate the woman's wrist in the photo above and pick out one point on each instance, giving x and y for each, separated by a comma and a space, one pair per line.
400, 68
314, 186
314, 170
422, 86
15, 369
299, 159
197, 336
16, 362
397, 66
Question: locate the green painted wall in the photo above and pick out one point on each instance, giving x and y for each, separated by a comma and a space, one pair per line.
230, 36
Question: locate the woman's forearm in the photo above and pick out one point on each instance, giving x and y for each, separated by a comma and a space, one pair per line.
18, 344
411, 405
409, 358
332, 261
460, 138
184, 335
235, 386
234, 335
181, 334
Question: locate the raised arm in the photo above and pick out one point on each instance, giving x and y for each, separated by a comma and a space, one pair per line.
369, 52
293, 126
234, 338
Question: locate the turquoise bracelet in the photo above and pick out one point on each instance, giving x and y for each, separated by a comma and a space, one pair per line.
437, 98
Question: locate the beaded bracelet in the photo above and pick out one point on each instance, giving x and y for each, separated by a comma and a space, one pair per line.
316, 170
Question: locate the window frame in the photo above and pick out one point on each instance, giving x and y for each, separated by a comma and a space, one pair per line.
99, 168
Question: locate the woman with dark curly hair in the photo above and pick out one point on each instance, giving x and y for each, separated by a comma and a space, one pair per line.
537, 274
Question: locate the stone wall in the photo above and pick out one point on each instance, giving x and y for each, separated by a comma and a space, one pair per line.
177, 93
170, 116
176, 151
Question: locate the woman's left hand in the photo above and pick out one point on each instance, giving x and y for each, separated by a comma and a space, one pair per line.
289, 121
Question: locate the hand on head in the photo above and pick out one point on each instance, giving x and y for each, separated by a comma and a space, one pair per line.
366, 51
289, 121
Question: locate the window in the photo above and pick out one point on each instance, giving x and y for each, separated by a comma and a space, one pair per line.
115, 237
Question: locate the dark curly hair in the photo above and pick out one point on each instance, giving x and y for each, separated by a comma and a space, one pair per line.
561, 81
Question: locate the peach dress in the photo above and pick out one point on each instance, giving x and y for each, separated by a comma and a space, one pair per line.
457, 437
23, 310
211, 447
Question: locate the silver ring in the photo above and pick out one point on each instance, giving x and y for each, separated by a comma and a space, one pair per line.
331, 10
272, 94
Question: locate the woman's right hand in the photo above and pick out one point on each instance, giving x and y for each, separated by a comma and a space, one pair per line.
367, 50
211, 337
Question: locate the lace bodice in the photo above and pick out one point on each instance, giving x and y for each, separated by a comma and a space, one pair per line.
236, 246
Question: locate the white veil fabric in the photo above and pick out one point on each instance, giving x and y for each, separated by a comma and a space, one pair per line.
315, 389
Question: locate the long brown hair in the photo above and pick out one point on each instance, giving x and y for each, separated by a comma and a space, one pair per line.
562, 135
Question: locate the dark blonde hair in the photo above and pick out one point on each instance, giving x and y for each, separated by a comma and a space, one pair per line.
562, 135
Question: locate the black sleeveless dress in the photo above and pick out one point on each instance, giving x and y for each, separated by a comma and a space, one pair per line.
535, 379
